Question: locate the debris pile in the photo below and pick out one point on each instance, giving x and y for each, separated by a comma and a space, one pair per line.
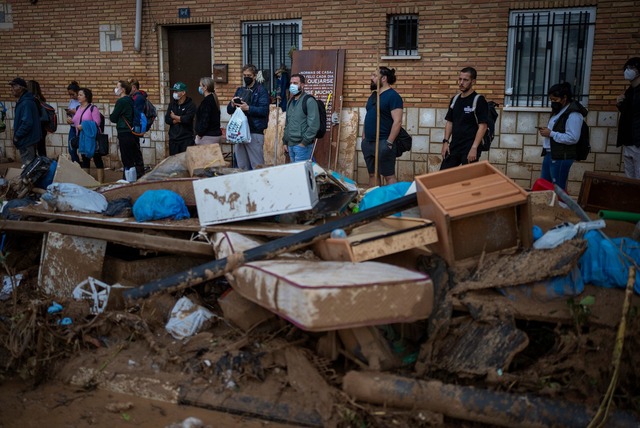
274, 294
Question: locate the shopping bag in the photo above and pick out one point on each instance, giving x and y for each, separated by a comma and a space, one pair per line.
238, 128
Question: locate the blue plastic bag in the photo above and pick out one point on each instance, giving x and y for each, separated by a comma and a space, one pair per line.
603, 264
158, 205
384, 194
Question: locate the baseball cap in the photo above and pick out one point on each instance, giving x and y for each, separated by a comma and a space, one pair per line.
18, 81
179, 86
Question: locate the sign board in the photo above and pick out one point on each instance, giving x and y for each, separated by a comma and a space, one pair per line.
324, 72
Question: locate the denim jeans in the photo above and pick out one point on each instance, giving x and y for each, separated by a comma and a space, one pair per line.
556, 171
299, 153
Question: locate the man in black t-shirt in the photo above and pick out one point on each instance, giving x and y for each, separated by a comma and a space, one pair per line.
467, 119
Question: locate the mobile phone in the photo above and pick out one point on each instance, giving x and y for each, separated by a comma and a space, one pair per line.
237, 100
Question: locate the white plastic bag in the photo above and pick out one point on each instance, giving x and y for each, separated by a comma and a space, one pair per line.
72, 197
130, 174
187, 318
238, 128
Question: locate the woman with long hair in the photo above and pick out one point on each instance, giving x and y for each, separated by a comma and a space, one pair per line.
72, 90
207, 125
561, 134
34, 87
87, 111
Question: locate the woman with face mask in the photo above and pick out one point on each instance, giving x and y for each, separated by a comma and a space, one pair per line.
179, 117
208, 115
561, 134
122, 116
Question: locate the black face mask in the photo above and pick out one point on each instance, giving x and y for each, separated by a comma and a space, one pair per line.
556, 107
248, 81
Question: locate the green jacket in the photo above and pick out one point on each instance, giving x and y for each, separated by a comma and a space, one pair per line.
123, 110
301, 128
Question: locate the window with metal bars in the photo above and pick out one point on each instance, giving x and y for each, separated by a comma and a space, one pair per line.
403, 35
546, 47
268, 45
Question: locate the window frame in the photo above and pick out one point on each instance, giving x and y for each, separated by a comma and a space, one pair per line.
393, 49
534, 96
273, 62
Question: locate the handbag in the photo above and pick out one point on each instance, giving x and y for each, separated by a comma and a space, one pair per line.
75, 142
403, 142
102, 145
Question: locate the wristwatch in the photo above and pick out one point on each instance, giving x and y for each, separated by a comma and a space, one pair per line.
445, 140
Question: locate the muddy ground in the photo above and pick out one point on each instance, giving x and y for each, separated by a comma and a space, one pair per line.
73, 375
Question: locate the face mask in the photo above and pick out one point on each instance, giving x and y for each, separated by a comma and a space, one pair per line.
117, 90
630, 74
294, 89
176, 96
200, 90
555, 106
248, 81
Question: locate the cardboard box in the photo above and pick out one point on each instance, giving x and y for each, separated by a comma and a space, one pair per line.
476, 209
379, 238
203, 156
253, 194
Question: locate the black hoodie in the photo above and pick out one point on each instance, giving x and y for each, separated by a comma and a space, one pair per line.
182, 131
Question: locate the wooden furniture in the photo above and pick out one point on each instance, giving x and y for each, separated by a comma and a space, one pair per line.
476, 209
602, 191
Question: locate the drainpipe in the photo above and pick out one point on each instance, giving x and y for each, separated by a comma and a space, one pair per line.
136, 42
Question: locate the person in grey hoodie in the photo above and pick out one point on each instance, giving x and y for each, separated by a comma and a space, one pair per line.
26, 125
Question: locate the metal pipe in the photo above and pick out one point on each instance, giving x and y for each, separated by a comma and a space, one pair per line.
136, 42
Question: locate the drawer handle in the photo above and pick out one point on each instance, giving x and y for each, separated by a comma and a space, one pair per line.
476, 193
466, 183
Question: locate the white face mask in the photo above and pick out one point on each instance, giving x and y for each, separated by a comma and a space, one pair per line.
630, 74
117, 91
294, 89
176, 96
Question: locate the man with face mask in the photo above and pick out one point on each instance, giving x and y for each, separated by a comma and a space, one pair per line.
179, 117
464, 126
253, 99
300, 128
629, 124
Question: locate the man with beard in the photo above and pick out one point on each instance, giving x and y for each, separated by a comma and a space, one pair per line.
465, 125
390, 124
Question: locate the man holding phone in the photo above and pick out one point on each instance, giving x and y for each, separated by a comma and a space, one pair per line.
253, 100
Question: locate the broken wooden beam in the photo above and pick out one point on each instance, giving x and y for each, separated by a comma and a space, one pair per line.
474, 404
271, 249
130, 239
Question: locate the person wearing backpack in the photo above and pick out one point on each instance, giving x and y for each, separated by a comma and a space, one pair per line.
629, 124
34, 87
122, 116
26, 122
561, 134
88, 112
253, 99
465, 126
301, 125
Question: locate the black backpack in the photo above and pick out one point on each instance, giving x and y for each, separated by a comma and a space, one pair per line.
492, 117
322, 112
583, 146
48, 116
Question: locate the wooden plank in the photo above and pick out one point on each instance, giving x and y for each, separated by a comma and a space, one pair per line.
186, 225
130, 239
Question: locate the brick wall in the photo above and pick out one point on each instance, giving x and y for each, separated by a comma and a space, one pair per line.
54, 43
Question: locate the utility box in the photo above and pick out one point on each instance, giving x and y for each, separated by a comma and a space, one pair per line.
253, 194
476, 209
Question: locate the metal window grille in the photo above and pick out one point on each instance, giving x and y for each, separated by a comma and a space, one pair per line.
403, 35
267, 45
548, 47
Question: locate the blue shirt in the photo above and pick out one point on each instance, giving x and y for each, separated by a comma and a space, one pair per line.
389, 100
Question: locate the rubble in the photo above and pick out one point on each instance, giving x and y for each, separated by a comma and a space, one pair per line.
387, 325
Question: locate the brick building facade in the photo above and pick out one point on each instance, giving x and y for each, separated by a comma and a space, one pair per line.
55, 42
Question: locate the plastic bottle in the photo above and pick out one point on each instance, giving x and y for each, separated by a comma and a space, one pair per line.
338, 234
